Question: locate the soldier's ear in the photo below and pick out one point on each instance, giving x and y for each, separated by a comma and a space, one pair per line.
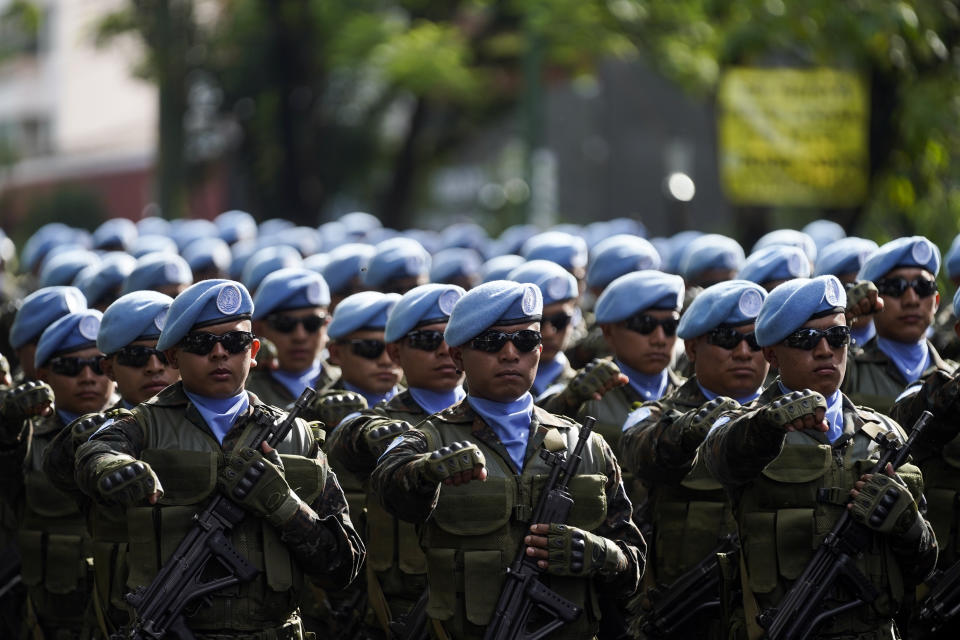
334, 348
172, 354
107, 365
690, 347
393, 350
456, 354
771, 356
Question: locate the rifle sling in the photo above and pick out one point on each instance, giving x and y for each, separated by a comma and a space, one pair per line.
750, 607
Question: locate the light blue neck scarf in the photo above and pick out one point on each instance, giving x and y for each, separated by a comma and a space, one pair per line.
373, 399
862, 335
834, 416
742, 400
296, 382
220, 413
510, 421
547, 372
649, 387
436, 401
911, 358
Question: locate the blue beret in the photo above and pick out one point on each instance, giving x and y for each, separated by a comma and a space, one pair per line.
618, 255
291, 288
115, 232
346, 262
43, 239
596, 232
145, 244
496, 302
426, 304
41, 308
956, 304
72, 332
396, 258
62, 268
776, 262
206, 303
824, 232
789, 237
710, 251
206, 253
157, 270
497, 268
240, 254
268, 260
464, 235
109, 275
306, 240
914, 251
567, 250
455, 263
846, 255
732, 303
235, 225
431, 240
792, 304
635, 292
952, 259
359, 223
184, 232
317, 262
136, 316
364, 310
556, 284
273, 225
513, 238
153, 225
676, 249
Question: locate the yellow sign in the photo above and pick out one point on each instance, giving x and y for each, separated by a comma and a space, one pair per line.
794, 137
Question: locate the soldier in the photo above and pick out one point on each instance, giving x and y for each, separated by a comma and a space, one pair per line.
290, 310
208, 258
843, 259
101, 284
165, 460
774, 265
709, 259
54, 545
39, 310
471, 530
167, 273
344, 271
265, 261
790, 461
904, 271
567, 250
397, 265
396, 567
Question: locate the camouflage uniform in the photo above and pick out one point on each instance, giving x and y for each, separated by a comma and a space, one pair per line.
318, 543
944, 338
873, 380
788, 490
471, 533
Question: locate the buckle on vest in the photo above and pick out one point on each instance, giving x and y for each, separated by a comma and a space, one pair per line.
833, 495
522, 512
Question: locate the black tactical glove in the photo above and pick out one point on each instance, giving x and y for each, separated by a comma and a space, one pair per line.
888, 507
696, 424
863, 298
258, 485
127, 481
332, 407
20, 403
453, 460
598, 377
796, 410
378, 438
575, 552
85, 426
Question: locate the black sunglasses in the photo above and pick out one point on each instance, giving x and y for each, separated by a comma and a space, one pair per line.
807, 339
202, 343
645, 325
72, 366
896, 287
560, 320
369, 349
425, 339
525, 340
729, 338
138, 356
288, 324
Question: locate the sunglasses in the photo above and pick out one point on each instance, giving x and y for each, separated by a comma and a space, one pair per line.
807, 339
425, 339
525, 340
729, 338
72, 366
138, 356
896, 287
559, 320
202, 343
288, 324
645, 325
365, 348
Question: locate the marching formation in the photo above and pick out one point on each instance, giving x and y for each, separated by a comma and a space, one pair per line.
232, 430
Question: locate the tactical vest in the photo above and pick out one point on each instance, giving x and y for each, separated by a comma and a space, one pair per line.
54, 546
186, 458
784, 514
476, 529
941, 481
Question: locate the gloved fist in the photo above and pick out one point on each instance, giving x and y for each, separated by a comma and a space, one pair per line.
884, 505
696, 424
127, 481
82, 428
26, 400
379, 437
332, 407
863, 299
258, 485
796, 411
592, 382
568, 551
457, 463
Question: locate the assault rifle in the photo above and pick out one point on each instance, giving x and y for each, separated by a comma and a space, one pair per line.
943, 601
159, 606
413, 625
523, 592
802, 610
698, 589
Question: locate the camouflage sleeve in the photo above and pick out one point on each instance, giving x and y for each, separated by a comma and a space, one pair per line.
12, 456
654, 450
58, 464
347, 445
940, 395
739, 446
123, 437
322, 538
619, 527
401, 489
917, 560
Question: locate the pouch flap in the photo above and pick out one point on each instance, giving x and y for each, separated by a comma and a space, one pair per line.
442, 576
474, 509
66, 566
380, 537
31, 557
483, 576
46, 500
187, 477
758, 539
800, 463
699, 478
305, 476
794, 541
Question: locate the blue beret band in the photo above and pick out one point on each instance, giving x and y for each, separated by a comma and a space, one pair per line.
206, 303
293, 288
556, 283
72, 332
793, 303
426, 304
139, 315
364, 310
914, 251
635, 292
731, 303
498, 302
40, 309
